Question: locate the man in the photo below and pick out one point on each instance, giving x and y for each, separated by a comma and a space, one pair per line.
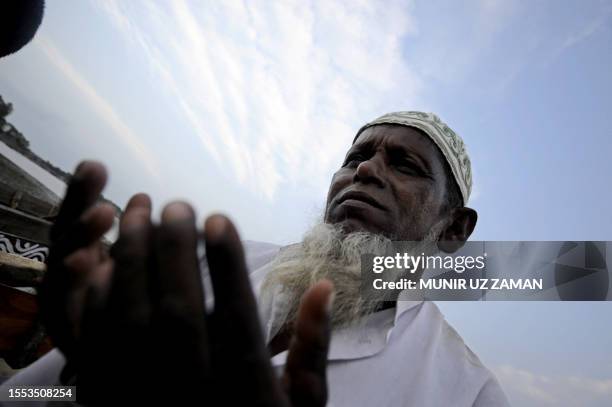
406, 177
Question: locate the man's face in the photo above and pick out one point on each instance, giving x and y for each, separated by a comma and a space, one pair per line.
392, 182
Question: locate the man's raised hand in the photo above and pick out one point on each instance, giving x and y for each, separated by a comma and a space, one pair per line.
76, 254
133, 324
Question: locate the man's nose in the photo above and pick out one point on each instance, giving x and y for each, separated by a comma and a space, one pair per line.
369, 171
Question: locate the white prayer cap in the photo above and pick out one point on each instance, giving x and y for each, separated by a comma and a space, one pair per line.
446, 139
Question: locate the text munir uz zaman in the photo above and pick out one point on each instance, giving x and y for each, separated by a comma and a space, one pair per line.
459, 264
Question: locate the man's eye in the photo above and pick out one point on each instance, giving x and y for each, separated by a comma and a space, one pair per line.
408, 167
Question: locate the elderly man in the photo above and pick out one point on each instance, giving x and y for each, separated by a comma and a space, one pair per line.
406, 177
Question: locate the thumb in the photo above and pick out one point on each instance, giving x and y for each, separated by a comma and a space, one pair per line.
305, 371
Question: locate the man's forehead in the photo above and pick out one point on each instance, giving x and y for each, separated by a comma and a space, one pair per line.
396, 136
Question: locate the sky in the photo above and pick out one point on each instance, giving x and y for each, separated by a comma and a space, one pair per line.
248, 107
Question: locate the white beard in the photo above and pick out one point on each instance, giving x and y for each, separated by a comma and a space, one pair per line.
327, 252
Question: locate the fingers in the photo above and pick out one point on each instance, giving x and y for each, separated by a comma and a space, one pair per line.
130, 297
84, 231
83, 191
79, 225
70, 273
236, 335
82, 236
80, 266
89, 268
178, 276
116, 340
234, 300
137, 213
305, 371
95, 222
179, 309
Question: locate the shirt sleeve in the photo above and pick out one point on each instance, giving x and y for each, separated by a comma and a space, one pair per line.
44, 371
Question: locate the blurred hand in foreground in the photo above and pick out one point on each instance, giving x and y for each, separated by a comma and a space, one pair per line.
132, 322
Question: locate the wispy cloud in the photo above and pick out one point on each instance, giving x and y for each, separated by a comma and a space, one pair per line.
267, 85
529, 389
587, 30
122, 132
582, 33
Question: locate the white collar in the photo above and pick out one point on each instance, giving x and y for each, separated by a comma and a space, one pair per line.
360, 340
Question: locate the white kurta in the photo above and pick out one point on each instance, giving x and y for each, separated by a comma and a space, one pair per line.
406, 356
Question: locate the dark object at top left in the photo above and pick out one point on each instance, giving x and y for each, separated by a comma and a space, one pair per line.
19, 20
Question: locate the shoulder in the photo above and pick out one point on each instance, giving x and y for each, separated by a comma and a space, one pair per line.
445, 338
463, 370
490, 392
491, 395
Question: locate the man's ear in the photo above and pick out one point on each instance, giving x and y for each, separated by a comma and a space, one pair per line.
461, 225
